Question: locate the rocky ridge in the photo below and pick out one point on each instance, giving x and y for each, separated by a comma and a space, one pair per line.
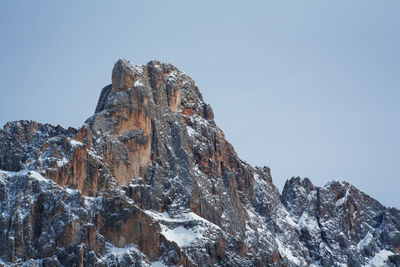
150, 180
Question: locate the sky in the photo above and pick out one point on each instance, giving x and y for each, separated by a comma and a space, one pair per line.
308, 88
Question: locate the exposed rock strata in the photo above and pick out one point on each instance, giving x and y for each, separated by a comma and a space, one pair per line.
150, 178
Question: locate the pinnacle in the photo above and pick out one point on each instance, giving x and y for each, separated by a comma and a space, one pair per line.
124, 75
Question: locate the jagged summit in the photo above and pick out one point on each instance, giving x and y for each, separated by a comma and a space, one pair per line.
144, 102
124, 75
150, 179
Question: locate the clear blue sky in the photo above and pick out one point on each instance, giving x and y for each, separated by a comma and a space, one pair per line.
309, 88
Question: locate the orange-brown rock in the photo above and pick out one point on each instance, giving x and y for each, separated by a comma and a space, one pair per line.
150, 179
123, 75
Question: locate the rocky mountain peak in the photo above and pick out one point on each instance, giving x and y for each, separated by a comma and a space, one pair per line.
150, 179
141, 102
124, 75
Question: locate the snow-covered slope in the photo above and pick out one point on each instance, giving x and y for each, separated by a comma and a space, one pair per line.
149, 180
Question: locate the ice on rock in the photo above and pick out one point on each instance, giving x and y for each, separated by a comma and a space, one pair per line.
154, 182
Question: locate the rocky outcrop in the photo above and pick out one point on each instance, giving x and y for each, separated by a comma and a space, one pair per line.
150, 179
338, 221
124, 75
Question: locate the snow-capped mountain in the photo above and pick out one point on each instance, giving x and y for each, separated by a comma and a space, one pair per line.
150, 180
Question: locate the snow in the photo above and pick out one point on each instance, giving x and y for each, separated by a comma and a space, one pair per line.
173, 76
158, 264
137, 69
184, 216
62, 162
191, 131
379, 258
37, 176
93, 204
290, 221
285, 252
157, 66
94, 155
309, 223
116, 250
287, 218
180, 235
328, 184
71, 191
139, 83
75, 143
2, 262
200, 120
342, 200
120, 253
365, 241
28, 263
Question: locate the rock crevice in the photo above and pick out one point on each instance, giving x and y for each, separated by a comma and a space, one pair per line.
151, 179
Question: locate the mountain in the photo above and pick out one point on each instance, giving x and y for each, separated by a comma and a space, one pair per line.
150, 180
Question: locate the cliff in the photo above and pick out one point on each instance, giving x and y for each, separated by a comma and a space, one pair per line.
150, 179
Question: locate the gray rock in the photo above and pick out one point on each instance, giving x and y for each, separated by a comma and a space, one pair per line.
151, 178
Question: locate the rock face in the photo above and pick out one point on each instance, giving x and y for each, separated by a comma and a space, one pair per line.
150, 179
